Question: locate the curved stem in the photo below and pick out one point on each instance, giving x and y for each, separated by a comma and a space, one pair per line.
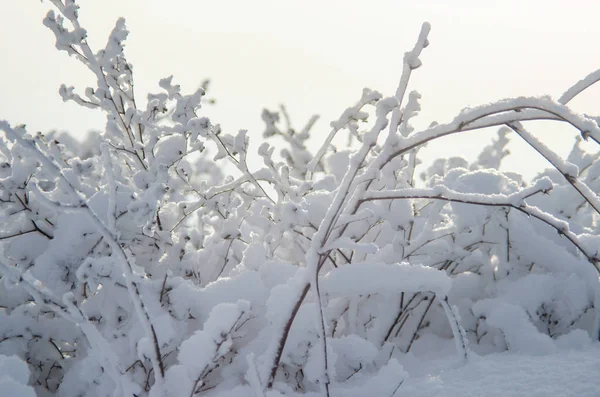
560, 165
507, 201
580, 86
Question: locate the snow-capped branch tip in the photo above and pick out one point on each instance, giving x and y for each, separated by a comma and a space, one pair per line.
410, 63
411, 58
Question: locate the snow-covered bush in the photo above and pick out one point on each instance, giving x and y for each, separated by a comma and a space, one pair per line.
133, 265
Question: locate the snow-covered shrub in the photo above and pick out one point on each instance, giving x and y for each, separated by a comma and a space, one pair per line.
133, 265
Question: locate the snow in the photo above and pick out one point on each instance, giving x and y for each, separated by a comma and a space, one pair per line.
566, 373
14, 377
352, 113
10, 387
443, 192
372, 278
520, 334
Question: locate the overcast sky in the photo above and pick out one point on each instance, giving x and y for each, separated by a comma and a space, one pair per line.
315, 57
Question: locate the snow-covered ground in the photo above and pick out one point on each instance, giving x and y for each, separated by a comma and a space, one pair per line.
571, 371
568, 372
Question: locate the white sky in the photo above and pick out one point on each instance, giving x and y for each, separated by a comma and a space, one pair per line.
315, 57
